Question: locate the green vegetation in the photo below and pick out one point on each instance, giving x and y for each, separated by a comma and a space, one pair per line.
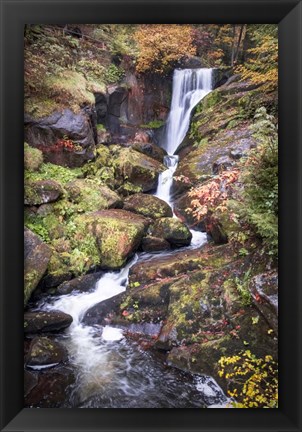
154, 124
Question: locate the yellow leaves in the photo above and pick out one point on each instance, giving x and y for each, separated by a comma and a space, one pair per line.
252, 381
162, 44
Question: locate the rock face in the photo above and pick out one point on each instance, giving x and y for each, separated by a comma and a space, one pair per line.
117, 233
148, 206
172, 230
41, 321
45, 134
139, 169
44, 351
36, 258
42, 192
82, 284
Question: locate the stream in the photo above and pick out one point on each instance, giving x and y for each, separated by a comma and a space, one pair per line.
111, 371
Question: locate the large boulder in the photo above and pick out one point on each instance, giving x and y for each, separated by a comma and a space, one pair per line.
172, 230
36, 258
46, 321
48, 132
137, 168
87, 195
41, 192
150, 149
148, 205
116, 233
155, 244
44, 352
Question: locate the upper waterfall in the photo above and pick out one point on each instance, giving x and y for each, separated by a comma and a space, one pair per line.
189, 87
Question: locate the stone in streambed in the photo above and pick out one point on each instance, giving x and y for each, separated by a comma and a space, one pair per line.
101, 312
82, 284
172, 230
42, 321
42, 192
148, 206
36, 258
155, 244
44, 351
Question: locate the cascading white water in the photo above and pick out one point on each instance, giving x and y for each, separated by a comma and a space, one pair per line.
110, 372
189, 87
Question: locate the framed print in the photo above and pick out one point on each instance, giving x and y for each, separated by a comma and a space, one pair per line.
155, 147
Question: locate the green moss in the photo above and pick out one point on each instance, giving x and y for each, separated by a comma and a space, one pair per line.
50, 171
33, 158
154, 124
30, 280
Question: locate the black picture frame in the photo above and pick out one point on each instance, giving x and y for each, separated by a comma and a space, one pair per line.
16, 13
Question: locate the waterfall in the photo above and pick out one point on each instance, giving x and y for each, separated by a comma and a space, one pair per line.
189, 87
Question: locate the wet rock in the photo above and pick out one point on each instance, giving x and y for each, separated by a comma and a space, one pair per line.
148, 206
141, 137
89, 196
150, 149
236, 153
181, 206
222, 164
52, 388
44, 351
117, 234
42, 321
42, 192
36, 258
155, 244
264, 290
102, 312
30, 381
172, 230
45, 133
82, 284
137, 168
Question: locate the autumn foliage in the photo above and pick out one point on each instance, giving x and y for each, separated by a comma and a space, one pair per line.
162, 45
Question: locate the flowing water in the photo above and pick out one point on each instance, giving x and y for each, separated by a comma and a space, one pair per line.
113, 372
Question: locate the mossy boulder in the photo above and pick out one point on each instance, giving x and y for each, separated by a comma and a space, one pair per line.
137, 168
148, 205
150, 149
41, 192
33, 158
46, 321
43, 351
36, 258
116, 233
88, 195
172, 230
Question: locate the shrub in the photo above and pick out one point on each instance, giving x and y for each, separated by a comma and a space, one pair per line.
252, 381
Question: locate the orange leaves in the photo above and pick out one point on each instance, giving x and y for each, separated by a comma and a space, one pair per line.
161, 45
213, 193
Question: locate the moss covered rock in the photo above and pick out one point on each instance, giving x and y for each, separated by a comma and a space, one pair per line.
155, 244
172, 230
33, 158
36, 258
43, 351
88, 195
150, 149
148, 205
116, 233
42, 192
137, 168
